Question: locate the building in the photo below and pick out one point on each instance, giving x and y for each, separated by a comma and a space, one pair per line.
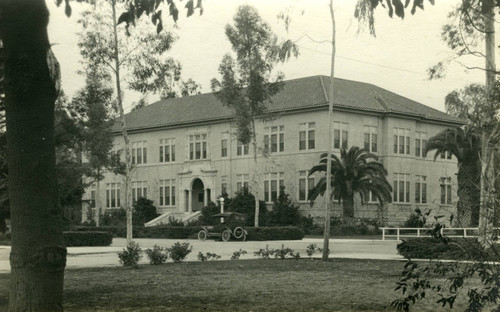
185, 152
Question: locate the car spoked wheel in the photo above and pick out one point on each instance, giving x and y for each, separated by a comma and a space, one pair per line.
226, 235
238, 232
202, 235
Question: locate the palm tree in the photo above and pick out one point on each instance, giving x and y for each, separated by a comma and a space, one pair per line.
465, 145
357, 171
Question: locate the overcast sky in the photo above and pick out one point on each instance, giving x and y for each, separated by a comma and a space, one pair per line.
397, 59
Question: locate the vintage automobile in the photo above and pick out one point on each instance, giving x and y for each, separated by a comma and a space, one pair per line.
232, 224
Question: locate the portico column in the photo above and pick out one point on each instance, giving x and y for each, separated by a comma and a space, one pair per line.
190, 201
205, 197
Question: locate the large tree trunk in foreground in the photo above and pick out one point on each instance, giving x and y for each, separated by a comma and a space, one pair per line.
38, 255
469, 194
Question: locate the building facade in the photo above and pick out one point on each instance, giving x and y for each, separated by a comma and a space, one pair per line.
185, 152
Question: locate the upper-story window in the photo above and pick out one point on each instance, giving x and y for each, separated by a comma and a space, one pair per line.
242, 149
420, 143
139, 152
340, 134
307, 136
370, 139
446, 155
167, 150
139, 189
112, 195
198, 146
402, 141
306, 184
274, 139
223, 148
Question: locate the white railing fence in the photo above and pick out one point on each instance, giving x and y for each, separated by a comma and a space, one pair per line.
398, 233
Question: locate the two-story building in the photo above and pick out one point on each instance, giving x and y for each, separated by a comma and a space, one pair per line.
185, 151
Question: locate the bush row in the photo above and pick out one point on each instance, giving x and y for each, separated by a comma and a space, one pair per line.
90, 238
436, 248
182, 232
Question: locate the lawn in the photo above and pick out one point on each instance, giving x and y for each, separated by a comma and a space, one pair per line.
242, 285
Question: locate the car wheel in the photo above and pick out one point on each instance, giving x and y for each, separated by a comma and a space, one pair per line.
238, 232
202, 235
226, 235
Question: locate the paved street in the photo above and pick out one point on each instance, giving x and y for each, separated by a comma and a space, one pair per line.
107, 256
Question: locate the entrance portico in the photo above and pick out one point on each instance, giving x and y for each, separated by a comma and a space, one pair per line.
197, 181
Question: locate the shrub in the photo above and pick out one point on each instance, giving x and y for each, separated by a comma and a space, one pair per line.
237, 254
264, 253
178, 251
274, 233
144, 211
282, 253
157, 255
417, 219
244, 202
167, 231
172, 221
207, 256
130, 257
312, 249
114, 217
207, 213
90, 238
116, 231
437, 248
284, 211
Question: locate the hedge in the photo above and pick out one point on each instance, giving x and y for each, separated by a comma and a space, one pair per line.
182, 232
435, 248
90, 238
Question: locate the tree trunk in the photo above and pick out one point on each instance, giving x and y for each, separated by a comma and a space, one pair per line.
256, 177
38, 255
127, 192
469, 180
98, 199
348, 209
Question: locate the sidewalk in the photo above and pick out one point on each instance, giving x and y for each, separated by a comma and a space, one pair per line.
79, 257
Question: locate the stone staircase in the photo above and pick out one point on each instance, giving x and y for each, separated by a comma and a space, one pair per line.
165, 218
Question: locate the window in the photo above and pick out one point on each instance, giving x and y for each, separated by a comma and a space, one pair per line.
117, 149
242, 149
272, 184
340, 134
92, 195
401, 188
112, 195
167, 192
241, 181
402, 141
306, 184
223, 185
369, 198
139, 153
370, 138
167, 150
198, 146
139, 189
446, 155
445, 185
420, 143
274, 139
421, 189
223, 148
307, 138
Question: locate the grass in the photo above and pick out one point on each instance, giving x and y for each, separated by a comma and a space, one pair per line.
243, 285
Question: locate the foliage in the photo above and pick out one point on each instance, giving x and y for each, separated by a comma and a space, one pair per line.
172, 221
284, 211
130, 257
157, 255
178, 251
357, 171
417, 219
89, 238
312, 249
144, 211
244, 202
207, 256
274, 233
114, 217
282, 253
264, 253
238, 253
207, 213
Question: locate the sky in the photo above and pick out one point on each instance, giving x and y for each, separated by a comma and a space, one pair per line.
396, 59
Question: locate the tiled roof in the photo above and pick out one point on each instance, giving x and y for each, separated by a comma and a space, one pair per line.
297, 94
